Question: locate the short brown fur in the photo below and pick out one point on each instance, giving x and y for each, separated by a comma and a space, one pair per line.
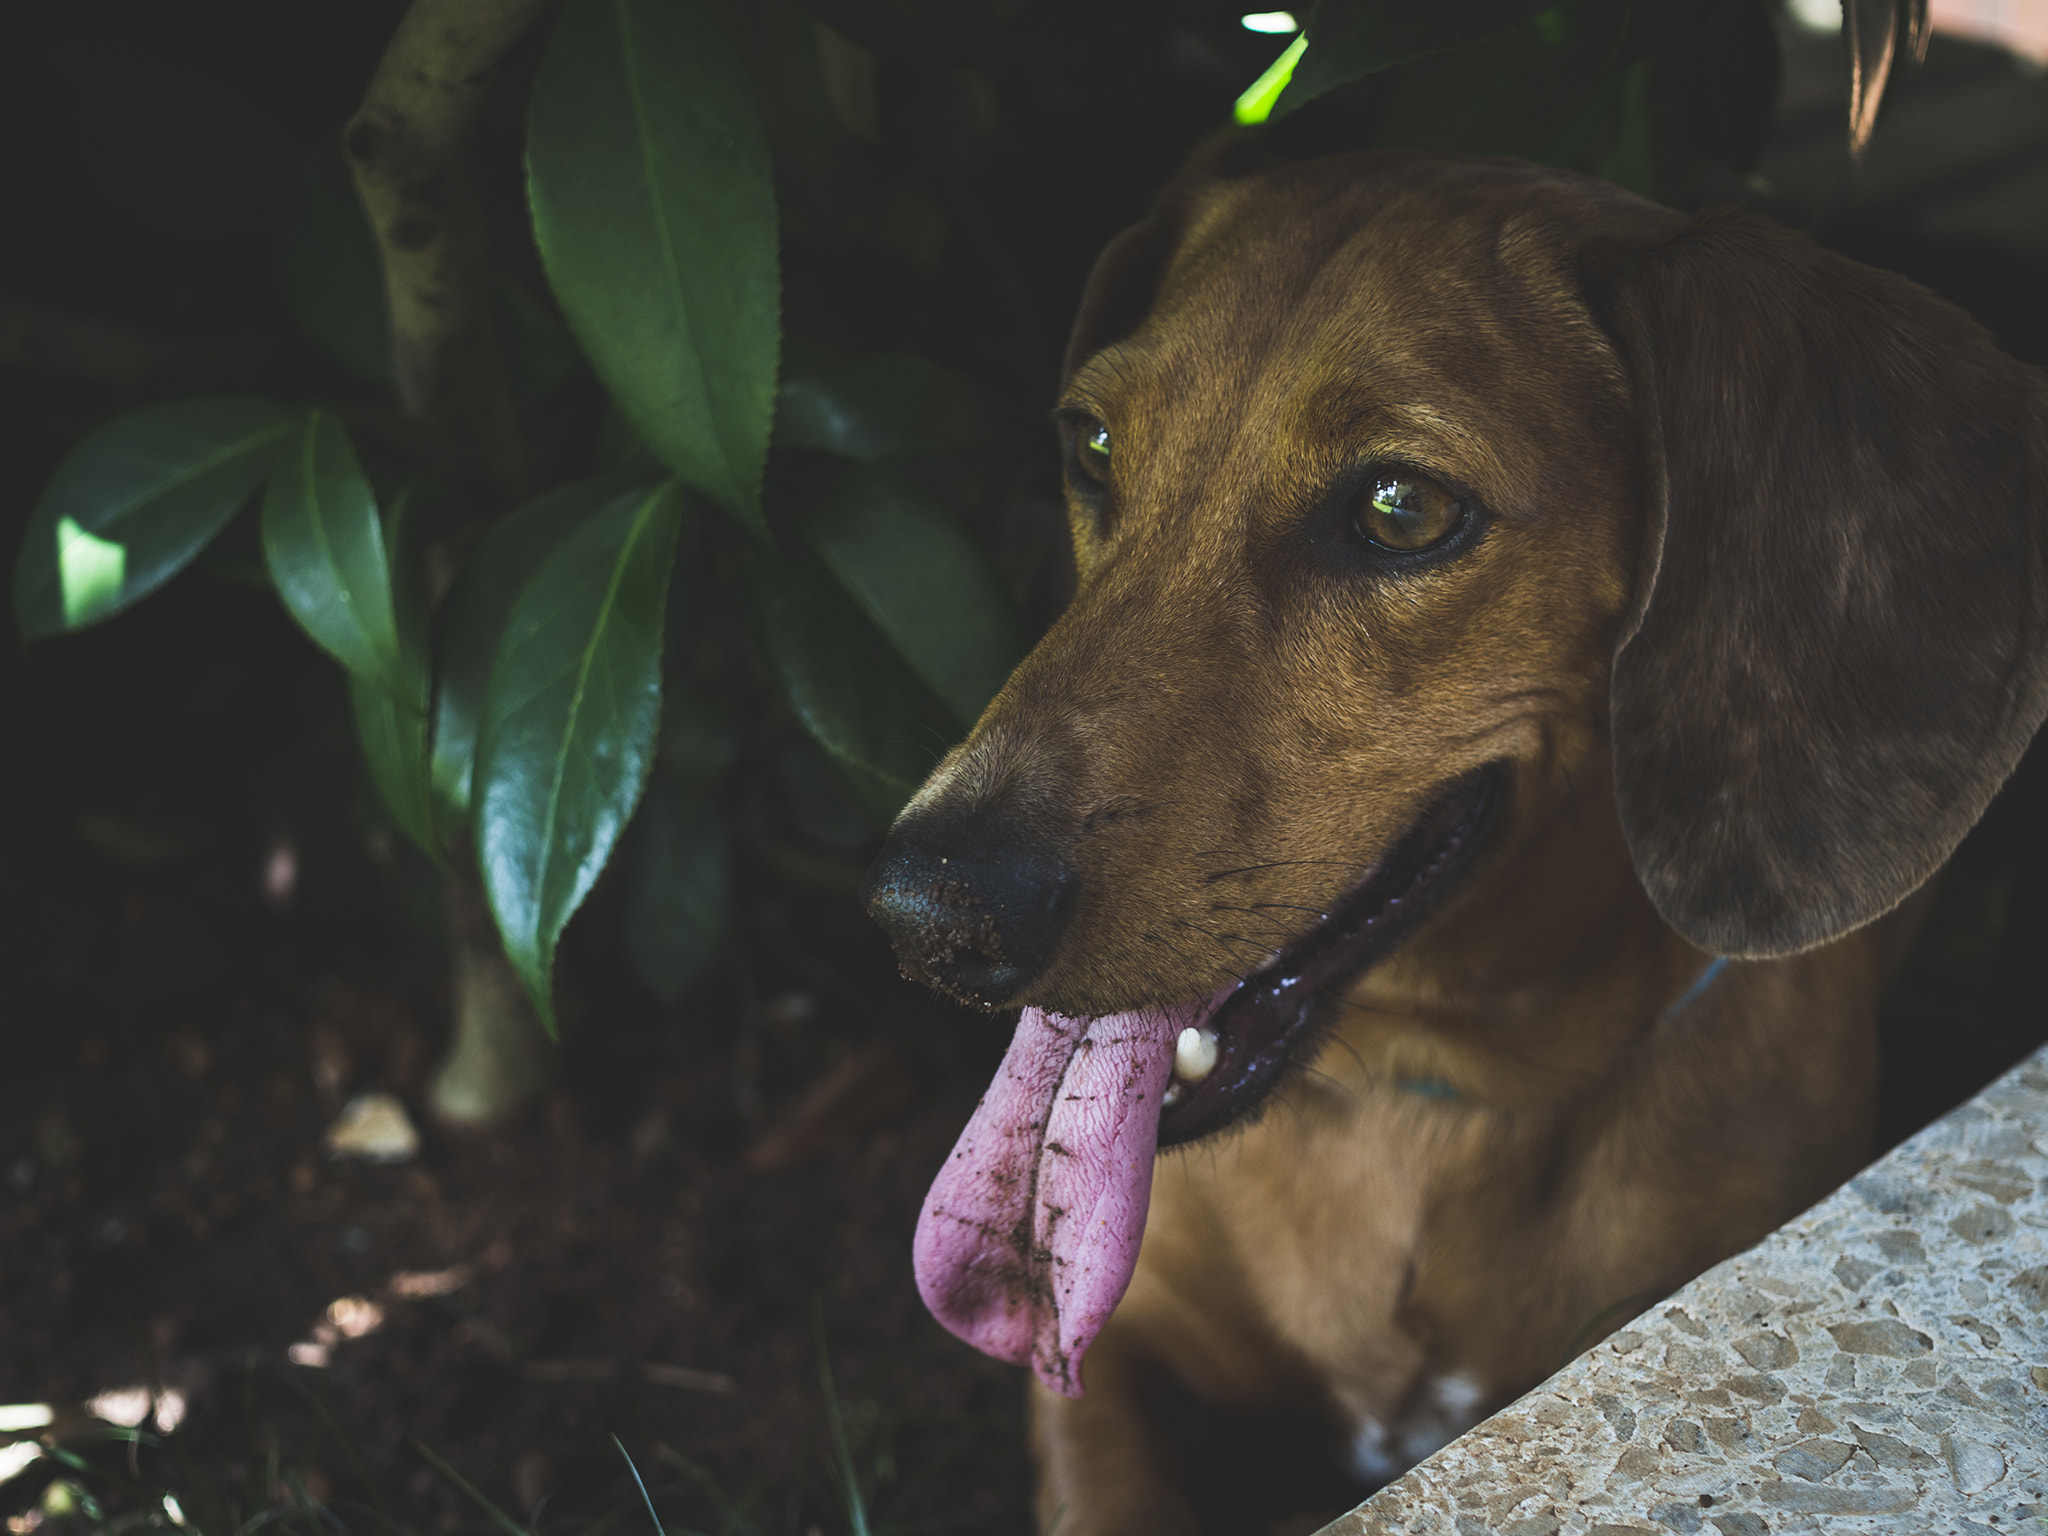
1758, 626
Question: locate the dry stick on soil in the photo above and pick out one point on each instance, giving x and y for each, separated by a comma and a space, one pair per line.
408, 148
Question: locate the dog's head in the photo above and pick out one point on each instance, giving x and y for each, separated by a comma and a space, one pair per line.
1408, 494
1383, 469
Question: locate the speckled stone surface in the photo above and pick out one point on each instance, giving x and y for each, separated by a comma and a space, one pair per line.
1880, 1364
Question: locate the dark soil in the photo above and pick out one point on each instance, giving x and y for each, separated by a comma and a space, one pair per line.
177, 1041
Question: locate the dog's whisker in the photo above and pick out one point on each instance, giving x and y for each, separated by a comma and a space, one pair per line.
1252, 869
1220, 937
1283, 934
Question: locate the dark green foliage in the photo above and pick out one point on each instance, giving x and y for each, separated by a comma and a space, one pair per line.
327, 267
472, 622
134, 502
567, 729
847, 684
392, 727
653, 211
912, 189
1644, 94
918, 576
1350, 39
324, 540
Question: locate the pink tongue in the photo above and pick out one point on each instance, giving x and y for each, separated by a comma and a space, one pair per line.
1031, 1230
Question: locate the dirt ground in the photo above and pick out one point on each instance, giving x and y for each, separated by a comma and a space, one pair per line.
617, 1262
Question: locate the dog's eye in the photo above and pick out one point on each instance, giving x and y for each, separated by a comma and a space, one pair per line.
1406, 512
1088, 450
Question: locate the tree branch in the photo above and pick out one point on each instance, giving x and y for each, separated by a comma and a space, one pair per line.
408, 148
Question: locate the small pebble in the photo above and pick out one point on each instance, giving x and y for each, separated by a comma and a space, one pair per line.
374, 1127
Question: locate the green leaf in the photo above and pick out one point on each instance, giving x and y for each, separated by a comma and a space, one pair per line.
134, 502
392, 731
569, 723
846, 682
393, 739
327, 266
472, 621
1595, 85
655, 216
919, 576
678, 885
324, 544
926, 427
926, 31
1255, 104
1350, 39
700, 732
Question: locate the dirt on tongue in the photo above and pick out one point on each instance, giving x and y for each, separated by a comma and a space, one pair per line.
1031, 1230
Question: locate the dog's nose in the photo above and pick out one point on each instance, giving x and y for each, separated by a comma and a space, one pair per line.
970, 911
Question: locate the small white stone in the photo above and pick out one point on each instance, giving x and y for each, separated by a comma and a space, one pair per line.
376, 1128
1194, 1054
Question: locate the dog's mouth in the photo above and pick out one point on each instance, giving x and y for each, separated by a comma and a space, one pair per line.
1031, 1231
1225, 1066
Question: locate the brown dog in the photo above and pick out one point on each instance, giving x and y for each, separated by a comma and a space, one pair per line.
1499, 597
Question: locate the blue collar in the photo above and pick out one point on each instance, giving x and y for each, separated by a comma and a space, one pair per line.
1697, 990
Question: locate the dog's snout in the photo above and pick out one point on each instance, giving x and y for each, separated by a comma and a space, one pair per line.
972, 911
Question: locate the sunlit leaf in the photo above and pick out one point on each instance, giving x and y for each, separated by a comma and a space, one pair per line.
472, 620
924, 426
919, 576
324, 543
655, 215
1256, 102
1350, 39
569, 721
846, 682
134, 502
678, 885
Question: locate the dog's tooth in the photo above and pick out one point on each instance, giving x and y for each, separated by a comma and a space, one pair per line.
1194, 1054
1172, 1094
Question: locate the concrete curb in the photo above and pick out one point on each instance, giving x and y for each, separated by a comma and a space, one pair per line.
1879, 1365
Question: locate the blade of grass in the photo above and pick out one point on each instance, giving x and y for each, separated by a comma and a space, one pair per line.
910, 1488
348, 1450
735, 1518
856, 1507
312, 1505
455, 1477
639, 1483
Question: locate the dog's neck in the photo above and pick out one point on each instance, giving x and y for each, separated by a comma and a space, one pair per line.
1577, 969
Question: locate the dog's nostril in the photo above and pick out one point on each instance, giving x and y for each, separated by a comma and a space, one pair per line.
979, 919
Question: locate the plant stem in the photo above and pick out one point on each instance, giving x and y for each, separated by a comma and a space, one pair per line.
499, 1056
408, 147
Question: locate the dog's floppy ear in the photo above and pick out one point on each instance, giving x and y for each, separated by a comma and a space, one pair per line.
1840, 645
1126, 276
1121, 286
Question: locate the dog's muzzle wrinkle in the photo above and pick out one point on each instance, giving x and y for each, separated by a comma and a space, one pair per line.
973, 907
